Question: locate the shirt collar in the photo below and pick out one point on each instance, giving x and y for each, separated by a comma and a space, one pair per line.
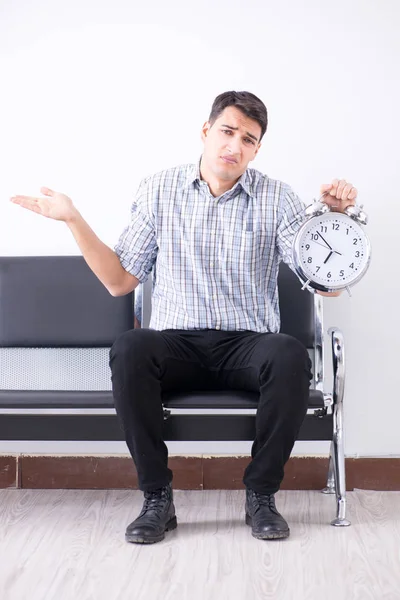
245, 180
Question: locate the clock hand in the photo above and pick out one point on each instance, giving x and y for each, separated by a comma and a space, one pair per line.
324, 240
319, 244
328, 257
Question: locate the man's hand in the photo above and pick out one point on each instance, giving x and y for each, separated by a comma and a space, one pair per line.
53, 206
339, 194
332, 294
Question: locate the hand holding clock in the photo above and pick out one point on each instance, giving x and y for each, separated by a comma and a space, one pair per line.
339, 226
339, 194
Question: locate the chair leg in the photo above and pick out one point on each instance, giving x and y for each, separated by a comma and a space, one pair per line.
338, 464
330, 484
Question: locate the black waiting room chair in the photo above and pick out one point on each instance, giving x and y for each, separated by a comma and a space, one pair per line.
57, 324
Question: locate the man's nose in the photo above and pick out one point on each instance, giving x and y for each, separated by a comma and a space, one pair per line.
234, 145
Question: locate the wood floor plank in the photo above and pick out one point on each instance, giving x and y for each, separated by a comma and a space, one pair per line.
69, 545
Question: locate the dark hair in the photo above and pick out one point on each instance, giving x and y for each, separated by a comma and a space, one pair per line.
246, 102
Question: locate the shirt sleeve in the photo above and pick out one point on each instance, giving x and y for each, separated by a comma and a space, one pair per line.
290, 219
137, 245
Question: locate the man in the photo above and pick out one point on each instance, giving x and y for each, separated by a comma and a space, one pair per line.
214, 232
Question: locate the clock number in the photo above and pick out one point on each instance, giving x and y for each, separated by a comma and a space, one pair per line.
347, 231
335, 226
324, 227
354, 241
307, 246
314, 236
309, 259
357, 254
351, 266
329, 275
341, 273
318, 268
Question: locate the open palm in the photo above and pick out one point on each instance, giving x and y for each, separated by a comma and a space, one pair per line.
53, 206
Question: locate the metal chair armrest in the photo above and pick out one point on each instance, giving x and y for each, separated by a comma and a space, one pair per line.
338, 365
145, 290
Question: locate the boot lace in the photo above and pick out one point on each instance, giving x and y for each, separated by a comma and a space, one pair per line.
265, 500
154, 499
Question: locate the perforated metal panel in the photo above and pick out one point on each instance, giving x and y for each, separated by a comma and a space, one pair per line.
78, 369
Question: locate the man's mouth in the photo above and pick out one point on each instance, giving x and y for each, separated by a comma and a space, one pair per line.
229, 160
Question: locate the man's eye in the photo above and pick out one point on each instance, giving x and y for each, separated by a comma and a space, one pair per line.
226, 131
249, 140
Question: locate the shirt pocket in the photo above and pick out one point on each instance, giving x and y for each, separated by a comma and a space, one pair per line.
241, 250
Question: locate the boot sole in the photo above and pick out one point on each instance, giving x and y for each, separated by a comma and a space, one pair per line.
270, 535
138, 539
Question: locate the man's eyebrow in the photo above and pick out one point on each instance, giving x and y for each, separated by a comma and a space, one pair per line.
236, 129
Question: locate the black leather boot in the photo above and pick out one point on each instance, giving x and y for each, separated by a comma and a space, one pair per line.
157, 517
261, 514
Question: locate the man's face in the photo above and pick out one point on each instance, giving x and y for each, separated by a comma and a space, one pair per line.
230, 143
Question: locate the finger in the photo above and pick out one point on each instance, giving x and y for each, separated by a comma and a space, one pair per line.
335, 184
346, 191
342, 184
20, 198
353, 194
25, 201
47, 191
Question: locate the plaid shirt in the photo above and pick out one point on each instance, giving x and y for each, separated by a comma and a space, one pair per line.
215, 260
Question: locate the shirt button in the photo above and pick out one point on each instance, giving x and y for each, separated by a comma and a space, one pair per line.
217, 327
211, 264
214, 297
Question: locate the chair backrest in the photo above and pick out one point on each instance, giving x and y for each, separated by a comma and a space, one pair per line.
57, 301
57, 323
296, 306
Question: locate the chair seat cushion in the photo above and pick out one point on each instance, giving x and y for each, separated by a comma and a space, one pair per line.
225, 399
77, 399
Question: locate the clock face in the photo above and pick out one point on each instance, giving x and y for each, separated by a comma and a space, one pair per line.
332, 250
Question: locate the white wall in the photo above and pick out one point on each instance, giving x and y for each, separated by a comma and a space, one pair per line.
96, 96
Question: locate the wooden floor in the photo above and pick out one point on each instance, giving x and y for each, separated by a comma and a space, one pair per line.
69, 545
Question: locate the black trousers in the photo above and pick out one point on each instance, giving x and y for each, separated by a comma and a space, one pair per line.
145, 363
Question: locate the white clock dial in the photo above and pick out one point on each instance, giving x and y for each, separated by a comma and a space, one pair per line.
332, 250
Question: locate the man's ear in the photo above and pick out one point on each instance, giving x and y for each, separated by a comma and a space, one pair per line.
204, 130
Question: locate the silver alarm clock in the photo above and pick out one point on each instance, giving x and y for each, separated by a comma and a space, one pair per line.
331, 250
